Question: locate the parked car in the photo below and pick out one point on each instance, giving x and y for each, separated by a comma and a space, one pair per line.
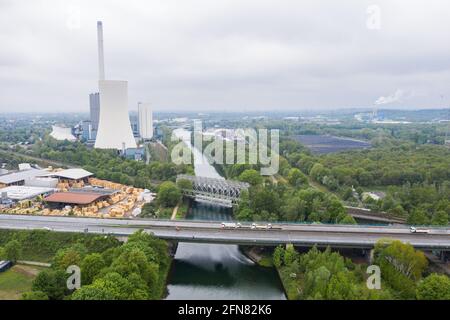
5, 265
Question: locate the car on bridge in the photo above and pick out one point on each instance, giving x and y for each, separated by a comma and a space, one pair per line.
231, 225
261, 226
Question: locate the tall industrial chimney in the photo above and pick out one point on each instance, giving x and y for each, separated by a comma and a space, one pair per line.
101, 59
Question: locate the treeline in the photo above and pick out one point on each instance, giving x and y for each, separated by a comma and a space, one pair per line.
378, 134
20, 133
42, 245
12, 160
326, 275
406, 163
107, 164
109, 269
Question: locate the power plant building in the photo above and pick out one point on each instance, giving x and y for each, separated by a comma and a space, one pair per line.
94, 110
145, 121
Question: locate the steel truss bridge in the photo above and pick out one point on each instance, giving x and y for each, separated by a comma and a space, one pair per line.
218, 191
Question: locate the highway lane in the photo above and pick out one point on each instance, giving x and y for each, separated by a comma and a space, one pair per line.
212, 232
396, 229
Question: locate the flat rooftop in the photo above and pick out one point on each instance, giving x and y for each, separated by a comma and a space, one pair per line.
91, 189
18, 176
73, 174
24, 192
80, 198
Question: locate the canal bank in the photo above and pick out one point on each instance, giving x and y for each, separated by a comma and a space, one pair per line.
213, 271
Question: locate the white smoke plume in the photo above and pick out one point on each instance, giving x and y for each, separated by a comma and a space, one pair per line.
397, 96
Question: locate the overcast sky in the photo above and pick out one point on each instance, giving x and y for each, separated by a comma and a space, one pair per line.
205, 55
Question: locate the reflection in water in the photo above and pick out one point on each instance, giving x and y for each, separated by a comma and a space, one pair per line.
214, 271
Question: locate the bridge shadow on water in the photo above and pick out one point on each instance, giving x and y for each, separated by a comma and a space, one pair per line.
217, 271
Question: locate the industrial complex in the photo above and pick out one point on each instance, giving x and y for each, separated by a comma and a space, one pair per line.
68, 192
110, 125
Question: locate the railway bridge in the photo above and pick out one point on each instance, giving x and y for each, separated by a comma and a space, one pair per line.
218, 191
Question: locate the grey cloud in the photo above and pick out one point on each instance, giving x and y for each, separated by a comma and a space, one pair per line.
211, 55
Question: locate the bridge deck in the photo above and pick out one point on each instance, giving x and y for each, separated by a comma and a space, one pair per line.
211, 232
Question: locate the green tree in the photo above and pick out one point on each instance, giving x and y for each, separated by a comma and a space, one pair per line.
134, 261
13, 250
290, 255
434, 287
318, 172
401, 266
169, 194
440, 218
244, 214
184, 184
348, 219
296, 178
251, 176
91, 266
52, 283
418, 217
342, 286
278, 256
34, 295
72, 255
112, 286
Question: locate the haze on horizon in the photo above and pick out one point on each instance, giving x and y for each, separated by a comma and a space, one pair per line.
209, 56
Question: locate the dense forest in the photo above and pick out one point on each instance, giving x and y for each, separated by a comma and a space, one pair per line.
415, 178
327, 275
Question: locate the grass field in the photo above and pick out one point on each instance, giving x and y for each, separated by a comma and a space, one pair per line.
16, 281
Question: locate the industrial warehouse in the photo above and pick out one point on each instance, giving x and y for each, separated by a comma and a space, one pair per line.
68, 192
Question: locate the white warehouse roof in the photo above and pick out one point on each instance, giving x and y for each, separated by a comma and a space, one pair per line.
23, 192
15, 177
74, 174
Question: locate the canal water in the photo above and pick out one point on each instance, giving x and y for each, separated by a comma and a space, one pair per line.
214, 271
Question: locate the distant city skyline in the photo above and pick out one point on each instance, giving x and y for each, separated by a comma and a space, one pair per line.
237, 56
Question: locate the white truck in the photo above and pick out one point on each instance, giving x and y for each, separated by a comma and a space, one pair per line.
230, 225
416, 230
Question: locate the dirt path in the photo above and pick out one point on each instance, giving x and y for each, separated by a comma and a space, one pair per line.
174, 213
28, 271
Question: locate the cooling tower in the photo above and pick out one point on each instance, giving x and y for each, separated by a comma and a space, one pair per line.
114, 128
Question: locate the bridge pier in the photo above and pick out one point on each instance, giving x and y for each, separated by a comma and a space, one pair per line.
369, 254
444, 256
173, 246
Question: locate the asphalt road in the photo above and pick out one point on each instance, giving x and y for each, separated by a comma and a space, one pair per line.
354, 236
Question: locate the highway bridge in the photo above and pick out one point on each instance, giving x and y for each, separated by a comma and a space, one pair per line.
338, 236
